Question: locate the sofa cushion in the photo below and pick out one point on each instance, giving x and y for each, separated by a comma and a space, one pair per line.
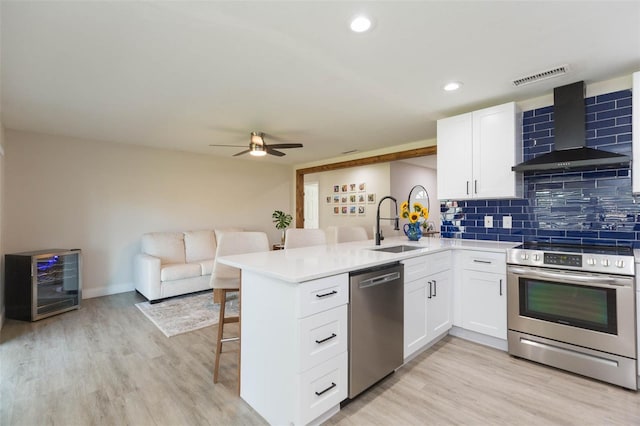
168, 246
206, 266
180, 271
221, 230
199, 245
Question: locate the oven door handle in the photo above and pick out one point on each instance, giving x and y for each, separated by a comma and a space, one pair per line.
585, 279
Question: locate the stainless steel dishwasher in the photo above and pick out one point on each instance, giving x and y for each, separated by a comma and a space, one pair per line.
376, 319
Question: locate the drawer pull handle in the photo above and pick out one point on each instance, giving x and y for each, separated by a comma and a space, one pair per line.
327, 294
435, 288
327, 338
487, 262
333, 385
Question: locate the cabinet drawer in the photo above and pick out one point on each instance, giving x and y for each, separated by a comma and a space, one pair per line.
323, 294
322, 336
438, 262
415, 268
323, 387
420, 267
491, 262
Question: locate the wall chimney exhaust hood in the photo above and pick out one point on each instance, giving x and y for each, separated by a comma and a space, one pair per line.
570, 137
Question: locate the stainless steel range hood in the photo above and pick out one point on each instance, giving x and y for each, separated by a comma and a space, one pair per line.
570, 137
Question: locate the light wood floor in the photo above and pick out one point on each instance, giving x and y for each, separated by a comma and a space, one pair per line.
106, 364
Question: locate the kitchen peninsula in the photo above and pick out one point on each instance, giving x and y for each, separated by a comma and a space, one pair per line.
294, 366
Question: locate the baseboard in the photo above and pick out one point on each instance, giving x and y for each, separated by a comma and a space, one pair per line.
90, 293
480, 338
424, 348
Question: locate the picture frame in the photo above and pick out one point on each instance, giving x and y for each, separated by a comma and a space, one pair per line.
352, 187
362, 187
362, 210
336, 210
344, 198
336, 199
362, 198
352, 198
371, 198
344, 210
345, 188
336, 188
329, 199
353, 210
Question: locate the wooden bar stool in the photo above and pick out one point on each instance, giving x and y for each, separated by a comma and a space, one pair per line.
226, 279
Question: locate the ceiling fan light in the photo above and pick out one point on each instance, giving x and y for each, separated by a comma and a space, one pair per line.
257, 149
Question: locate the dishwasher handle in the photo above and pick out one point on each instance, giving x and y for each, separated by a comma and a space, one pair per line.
380, 279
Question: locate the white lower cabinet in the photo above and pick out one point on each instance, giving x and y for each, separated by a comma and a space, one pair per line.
439, 317
294, 362
415, 315
483, 293
427, 300
323, 387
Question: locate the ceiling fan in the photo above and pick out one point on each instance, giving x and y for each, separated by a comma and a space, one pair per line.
258, 147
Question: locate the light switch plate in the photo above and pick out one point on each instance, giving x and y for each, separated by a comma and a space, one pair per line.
506, 222
488, 221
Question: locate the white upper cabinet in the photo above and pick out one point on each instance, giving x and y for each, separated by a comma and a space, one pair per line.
476, 152
635, 126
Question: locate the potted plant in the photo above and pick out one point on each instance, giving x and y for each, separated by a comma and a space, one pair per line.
282, 221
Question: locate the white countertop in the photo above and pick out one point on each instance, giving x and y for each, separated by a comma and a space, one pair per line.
309, 263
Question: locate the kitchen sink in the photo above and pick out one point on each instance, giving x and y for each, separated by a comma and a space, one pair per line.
397, 249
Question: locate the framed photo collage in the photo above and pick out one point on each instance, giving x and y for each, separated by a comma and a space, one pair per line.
350, 199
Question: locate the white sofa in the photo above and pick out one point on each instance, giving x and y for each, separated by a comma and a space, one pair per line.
175, 263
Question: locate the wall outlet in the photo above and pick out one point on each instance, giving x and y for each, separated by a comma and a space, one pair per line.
506, 222
488, 221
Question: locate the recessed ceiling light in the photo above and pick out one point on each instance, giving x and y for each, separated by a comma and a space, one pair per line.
360, 24
454, 85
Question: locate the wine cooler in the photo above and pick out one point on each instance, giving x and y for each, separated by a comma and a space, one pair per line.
43, 283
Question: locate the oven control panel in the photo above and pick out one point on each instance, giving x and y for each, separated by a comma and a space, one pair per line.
562, 259
587, 262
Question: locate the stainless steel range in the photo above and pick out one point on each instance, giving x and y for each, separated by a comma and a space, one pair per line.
573, 307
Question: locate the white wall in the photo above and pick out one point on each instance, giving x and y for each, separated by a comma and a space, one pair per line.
101, 197
376, 178
404, 176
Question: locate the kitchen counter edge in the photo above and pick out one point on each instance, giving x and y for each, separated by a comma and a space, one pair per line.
309, 263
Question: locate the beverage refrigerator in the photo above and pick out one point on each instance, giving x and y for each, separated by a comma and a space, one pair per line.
39, 284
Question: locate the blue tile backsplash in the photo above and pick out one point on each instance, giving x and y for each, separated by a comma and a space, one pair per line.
592, 206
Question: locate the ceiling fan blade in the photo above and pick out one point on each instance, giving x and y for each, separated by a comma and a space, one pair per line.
285, 145
293, 135
235, 146
274, 152
241, 152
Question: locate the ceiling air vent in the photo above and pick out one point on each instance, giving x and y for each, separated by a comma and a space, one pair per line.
543, 75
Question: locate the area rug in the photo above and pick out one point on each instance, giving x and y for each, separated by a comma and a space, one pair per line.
186, 313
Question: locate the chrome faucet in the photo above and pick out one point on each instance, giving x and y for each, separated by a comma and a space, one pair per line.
396, 219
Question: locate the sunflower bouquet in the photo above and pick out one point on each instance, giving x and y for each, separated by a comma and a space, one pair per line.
415, 213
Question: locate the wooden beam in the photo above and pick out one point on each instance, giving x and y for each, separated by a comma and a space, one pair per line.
377, 159
299, 199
